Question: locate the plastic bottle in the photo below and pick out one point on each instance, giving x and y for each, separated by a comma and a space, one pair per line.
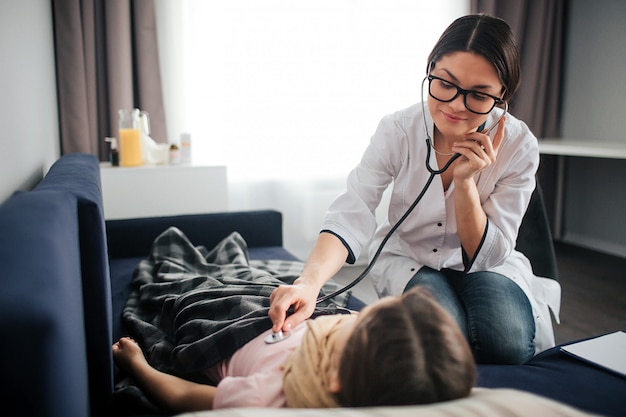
174, 154
185, 148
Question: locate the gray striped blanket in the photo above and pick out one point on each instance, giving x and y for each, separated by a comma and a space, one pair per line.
190, 307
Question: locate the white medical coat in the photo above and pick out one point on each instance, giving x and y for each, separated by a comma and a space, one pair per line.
396, 156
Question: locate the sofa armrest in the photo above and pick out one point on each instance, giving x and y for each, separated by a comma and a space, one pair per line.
78, 175
43, 350
133, 237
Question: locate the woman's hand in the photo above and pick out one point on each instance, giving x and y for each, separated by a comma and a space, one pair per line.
326, 258
478, 152
301, 296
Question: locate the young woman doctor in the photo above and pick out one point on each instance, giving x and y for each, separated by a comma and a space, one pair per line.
460, 239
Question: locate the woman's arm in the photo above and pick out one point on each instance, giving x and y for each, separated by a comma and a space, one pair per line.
176, 394
478, 151
327, 257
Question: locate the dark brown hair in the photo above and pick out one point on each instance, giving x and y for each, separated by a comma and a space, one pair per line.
409, 351
487, 36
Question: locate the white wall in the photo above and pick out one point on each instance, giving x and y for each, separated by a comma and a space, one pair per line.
594, 104
28, 106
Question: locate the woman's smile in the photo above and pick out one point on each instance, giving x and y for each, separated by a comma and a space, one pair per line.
452, 118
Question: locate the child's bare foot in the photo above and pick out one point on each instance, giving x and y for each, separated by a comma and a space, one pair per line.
127, 354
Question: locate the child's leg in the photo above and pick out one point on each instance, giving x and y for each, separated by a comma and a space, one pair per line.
177, 394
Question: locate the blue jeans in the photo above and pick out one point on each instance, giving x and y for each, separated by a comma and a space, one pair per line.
491, 310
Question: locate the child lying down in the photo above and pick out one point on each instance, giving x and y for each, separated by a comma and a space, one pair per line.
397, 351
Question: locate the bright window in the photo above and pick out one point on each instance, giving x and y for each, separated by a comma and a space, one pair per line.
284, 88
287, 93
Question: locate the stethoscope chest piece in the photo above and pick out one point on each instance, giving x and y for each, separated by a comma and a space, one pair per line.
279, 336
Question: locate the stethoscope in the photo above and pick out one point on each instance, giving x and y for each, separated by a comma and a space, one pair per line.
278, 336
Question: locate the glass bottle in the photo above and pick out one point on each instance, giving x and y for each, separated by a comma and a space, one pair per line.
130, 138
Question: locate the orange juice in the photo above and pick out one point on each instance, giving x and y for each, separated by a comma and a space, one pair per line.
130, 148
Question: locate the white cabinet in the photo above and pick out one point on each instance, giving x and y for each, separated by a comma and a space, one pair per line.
162, 190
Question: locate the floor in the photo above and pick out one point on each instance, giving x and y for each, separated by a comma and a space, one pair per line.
593, 300
593, 285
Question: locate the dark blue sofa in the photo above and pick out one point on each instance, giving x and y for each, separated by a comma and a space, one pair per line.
65, 273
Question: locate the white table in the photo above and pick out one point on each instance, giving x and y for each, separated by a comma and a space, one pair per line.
563, 148
162, 190
585, 148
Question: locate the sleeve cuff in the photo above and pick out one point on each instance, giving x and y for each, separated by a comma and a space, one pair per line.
351, 259
467, 262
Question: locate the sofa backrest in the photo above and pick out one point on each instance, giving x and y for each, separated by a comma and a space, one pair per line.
43, 351
134, 237
79, 175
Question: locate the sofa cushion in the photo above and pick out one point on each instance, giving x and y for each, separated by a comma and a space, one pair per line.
556, 375
42, 354
482, 403
122, 270
79, 175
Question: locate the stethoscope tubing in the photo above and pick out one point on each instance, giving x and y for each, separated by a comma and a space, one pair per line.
433, 173
370, 265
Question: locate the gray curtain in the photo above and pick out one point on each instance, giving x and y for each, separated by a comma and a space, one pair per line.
107, 59
539, 27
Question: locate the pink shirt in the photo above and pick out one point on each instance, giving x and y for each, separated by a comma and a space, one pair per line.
253, 376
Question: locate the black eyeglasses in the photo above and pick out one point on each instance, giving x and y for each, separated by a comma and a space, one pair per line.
475, 101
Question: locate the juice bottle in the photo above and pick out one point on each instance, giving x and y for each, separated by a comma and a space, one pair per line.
130, 138
130, 147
